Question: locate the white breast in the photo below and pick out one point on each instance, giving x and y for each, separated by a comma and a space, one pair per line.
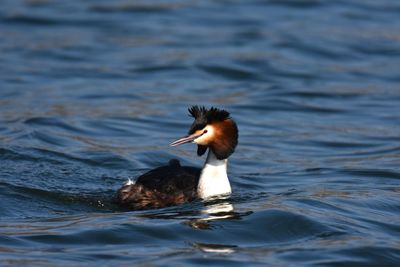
213, 178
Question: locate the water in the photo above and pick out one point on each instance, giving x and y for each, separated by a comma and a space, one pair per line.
92, 93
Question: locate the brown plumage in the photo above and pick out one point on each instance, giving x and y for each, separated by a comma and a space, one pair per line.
225, 138
164, 186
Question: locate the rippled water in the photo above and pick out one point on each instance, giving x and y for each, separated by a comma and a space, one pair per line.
92, 93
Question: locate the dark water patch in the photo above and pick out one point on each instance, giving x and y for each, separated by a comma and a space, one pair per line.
59, 168
110, 127
384, 206
250, 34
186, 212
88, 72
329, 95
157, 69
350, 257
302, 4
220, 261
90, 237
250, 182
378, 50
98, 199
52, 122
283, 105
290, 74
320, 205
346, 145
362, 256
31, 20
319, 170
80, 55
315, 49
49, 21
356, 16
137, 8
49, 203
102, 157
391, 228
11, 242
230, 72
14, 154
370, 6
9, 154
49, 138
377, 173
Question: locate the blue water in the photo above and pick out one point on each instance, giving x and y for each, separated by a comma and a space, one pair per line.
92, 93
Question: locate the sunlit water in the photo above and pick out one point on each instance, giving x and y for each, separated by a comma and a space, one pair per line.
92, 93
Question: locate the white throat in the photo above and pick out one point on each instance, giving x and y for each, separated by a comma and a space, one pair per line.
213, 178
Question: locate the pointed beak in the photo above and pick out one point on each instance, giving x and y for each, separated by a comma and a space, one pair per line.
186, 139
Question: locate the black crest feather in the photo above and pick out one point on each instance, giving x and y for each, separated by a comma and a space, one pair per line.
212, 114
204, 116
197, 112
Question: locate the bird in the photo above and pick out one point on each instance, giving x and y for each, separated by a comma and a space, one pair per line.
214, 130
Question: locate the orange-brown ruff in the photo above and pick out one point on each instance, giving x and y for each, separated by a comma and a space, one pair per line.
173, 184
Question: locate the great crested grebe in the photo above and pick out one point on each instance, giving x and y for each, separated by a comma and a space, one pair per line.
212, 129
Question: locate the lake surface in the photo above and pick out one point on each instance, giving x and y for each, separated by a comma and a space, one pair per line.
92, 93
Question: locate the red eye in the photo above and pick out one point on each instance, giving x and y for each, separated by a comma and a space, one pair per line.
205, 131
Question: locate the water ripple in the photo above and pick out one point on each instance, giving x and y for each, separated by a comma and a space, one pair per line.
92, 93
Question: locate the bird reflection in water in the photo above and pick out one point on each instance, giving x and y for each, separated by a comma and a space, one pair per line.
216, 209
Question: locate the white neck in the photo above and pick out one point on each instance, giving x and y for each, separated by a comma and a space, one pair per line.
213, 178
